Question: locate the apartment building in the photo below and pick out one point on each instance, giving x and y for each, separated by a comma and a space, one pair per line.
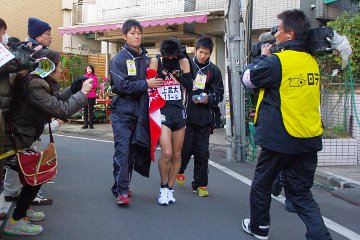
17, 12
94, 26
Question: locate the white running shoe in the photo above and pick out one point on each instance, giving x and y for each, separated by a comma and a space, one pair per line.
163, 197
246, 228
171, 196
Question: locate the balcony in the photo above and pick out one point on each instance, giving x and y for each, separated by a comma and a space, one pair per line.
90, 11
210, 5
112, 10
84, 13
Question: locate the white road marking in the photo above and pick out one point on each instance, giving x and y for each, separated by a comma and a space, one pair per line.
84, 138
329, 223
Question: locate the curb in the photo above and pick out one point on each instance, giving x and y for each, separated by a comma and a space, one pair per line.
97, 132
334, 180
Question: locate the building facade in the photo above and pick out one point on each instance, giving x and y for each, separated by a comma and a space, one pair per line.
94, 26
17, 12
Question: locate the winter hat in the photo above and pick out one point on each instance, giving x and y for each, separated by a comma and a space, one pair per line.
36, 27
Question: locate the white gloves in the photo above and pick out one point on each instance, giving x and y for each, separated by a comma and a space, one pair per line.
342, 45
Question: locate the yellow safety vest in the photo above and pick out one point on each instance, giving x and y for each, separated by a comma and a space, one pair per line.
299, 94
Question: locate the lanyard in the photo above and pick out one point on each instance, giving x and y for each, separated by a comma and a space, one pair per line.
199, 71
133, 58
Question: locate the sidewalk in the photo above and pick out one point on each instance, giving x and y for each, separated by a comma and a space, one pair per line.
345, 180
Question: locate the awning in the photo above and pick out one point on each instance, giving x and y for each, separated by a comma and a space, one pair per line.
202, 18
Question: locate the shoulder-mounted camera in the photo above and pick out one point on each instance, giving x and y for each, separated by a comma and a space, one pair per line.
318, 42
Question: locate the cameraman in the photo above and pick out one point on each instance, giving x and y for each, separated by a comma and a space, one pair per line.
288, 126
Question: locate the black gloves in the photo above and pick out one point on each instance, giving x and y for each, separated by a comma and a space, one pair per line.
170, 65
77, 84
186, 81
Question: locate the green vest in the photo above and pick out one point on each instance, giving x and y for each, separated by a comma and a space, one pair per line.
299, 94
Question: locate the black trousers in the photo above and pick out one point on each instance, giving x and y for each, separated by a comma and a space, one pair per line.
196, 143
27, 195
298, 171
89, 112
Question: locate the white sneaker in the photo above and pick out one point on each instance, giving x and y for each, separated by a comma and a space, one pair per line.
171, 196
163, 197
246, 227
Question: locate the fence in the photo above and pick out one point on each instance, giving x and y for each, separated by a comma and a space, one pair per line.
74, 65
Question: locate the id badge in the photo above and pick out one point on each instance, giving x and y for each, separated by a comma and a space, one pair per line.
131, 67
199, 82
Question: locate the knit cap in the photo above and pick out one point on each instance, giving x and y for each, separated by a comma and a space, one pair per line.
36, 27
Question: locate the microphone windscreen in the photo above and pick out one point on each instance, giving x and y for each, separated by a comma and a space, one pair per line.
266, 37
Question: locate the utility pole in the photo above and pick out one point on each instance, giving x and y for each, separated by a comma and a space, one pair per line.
228, 93
235, 43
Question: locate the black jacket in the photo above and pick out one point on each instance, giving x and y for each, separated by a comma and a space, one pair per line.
200, 114
141, 140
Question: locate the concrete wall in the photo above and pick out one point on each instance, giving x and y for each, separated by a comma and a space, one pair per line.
78, 44
17, 12
264, 14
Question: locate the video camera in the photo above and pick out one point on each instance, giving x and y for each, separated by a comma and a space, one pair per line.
22, 60
318, 42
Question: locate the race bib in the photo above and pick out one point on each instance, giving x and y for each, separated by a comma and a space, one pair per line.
170, 90
131, 67
199, 82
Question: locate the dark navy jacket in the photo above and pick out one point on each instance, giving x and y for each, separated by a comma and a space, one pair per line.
265, 72
132, 100
128, 88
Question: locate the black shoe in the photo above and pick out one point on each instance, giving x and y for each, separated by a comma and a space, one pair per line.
3, 216
40, 200
85, 127
289, 206
91, 127
10, 198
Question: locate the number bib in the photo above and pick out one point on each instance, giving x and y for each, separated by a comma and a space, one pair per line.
170, 90
199, 82
131, 67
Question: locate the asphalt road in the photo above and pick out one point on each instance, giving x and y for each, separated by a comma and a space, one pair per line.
84, 207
